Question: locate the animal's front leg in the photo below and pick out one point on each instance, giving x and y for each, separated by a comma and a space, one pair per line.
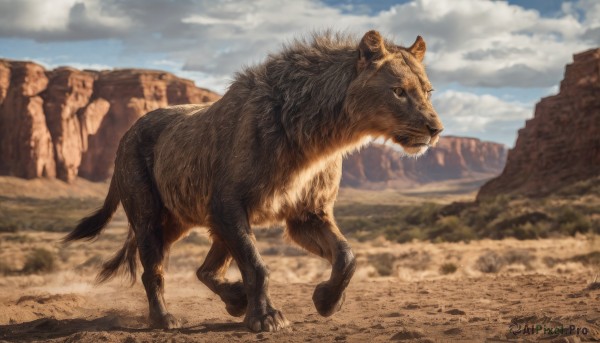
212, 272
232, 227
317, 233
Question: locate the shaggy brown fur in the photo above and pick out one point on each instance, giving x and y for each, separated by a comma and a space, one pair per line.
269, 151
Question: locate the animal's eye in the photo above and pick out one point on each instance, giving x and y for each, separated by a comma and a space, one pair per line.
429, 93
399, 92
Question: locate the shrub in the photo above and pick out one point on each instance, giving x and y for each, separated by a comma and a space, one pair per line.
426, 214
590, 259
4, 268
490, 262
39, 260
17, 238
451, 229
404, 235
196, 239
415, 260
448, 268
94, 261
383, 263
571, 221
519, 256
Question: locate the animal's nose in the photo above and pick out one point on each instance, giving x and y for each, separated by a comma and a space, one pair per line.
434, 130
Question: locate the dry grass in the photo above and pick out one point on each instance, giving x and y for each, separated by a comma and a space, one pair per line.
501, 217
383, 263
39, 261
490, 262
448, 268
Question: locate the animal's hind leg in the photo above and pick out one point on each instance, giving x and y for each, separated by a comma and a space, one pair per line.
212, 272
152, 253
146, 216
317, 233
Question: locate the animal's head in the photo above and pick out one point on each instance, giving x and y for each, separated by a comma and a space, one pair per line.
391, 94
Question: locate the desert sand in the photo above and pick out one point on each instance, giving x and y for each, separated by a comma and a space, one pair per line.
537, 284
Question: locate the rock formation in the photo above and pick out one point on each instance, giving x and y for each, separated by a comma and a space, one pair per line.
66, 122
379, 166
68, 91
26, 148
129, 94
561, 144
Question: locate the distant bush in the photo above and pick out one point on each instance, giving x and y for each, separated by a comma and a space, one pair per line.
550, 261
448, 268
490, 262
196, 239
39, 260
17, 238
519, 256
496, 218
93, 262
56, 215
426, 214
405, 234
4, 268
585, 187
415, 260
486, 211
571, 221
590, 259
383, 263
451, 229
7, 226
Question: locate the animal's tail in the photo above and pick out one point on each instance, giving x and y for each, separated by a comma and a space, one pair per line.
91, 226
127, 254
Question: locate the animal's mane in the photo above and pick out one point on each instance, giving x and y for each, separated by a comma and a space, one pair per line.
305, 83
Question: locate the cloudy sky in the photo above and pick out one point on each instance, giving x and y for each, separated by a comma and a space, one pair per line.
489, 61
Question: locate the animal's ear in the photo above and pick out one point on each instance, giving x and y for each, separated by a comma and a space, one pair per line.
370, 49
418, 48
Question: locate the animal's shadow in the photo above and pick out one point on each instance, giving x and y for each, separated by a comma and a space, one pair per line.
51, 328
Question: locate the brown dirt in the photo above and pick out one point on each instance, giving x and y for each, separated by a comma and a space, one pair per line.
538, 283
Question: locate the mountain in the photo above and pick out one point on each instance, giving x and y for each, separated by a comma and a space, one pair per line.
67, 122
561, 144
379, 166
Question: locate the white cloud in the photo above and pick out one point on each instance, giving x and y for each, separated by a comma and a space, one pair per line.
471, 42
61, 20
468, 114
490, 44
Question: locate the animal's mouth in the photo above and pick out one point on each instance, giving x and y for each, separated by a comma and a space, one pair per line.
413, 145
409, 142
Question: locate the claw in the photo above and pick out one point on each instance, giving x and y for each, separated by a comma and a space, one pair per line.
271, 321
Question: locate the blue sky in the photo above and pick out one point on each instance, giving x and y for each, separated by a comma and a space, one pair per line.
489, 61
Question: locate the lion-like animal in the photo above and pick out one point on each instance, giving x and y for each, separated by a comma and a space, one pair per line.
270, 150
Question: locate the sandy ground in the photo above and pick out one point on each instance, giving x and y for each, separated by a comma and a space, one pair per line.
537, 284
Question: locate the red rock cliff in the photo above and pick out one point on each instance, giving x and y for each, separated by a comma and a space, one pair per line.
378, 166
561, 144
26, 148
66, 122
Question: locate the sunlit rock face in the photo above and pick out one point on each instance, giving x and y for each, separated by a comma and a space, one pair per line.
561, 143
66, 122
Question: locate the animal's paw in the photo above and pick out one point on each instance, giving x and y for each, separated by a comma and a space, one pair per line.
166, 322
327, 300
234, 297
272, 320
